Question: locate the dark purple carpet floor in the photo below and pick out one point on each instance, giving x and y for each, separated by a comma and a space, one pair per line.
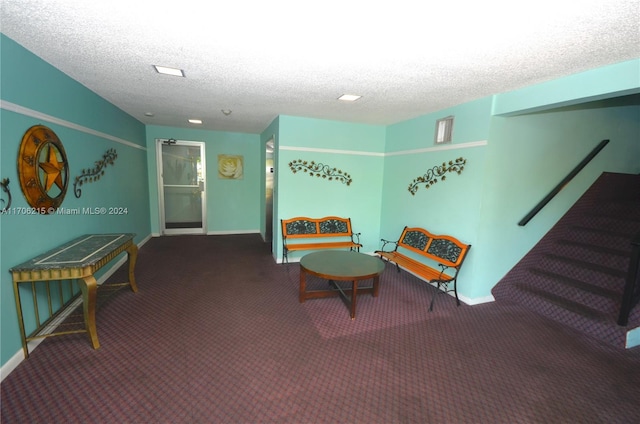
216, 335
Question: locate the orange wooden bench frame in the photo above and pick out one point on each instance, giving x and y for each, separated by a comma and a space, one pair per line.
447, 251
296, 231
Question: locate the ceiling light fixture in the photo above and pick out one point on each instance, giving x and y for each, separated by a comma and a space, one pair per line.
169, 71
195, 121
349, 97
226, 112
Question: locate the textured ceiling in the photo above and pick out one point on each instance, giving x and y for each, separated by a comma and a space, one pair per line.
262, 59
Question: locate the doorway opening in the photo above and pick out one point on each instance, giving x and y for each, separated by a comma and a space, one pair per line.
268, 205
181, 186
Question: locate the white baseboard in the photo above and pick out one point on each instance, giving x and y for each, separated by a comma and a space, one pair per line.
467, 300
476, 300
231, 232
144, 240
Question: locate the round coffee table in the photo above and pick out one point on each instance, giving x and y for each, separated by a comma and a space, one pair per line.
340, 265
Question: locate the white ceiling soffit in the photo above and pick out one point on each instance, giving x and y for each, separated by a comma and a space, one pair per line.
262, 59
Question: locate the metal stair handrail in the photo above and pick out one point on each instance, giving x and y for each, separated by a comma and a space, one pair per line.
562, 183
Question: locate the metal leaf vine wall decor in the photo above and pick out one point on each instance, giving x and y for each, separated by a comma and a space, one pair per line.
432, 175
320, 170
94, 174
5, 188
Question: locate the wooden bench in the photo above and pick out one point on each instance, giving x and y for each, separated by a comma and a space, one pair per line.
446, 252
302, 233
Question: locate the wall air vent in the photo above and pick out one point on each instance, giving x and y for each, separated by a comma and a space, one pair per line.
444, 129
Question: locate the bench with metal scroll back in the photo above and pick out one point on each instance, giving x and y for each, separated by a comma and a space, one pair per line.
331, 232
444, 251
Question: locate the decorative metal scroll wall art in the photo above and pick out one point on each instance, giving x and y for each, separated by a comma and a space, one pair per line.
43, 169
5, 187
94, 174
320, 170
437, 172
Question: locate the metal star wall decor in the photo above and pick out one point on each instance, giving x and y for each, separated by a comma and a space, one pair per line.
320, 170
43, 169
94, 174
432, 175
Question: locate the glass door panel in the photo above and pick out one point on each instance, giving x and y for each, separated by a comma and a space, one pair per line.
183, 187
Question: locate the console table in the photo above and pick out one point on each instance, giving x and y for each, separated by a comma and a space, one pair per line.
78, 260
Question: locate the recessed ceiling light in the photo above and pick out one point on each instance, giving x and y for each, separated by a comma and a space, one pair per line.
226, 112
195, 121
349, 97
169, 71
150, 114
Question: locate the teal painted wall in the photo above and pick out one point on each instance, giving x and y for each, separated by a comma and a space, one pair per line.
535, 144
32, 93
526, 158
33, 83
615, 80
451, 206
233, 206
513, 160
356, 149
471, 123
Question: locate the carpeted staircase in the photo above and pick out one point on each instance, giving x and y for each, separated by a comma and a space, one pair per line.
576, 274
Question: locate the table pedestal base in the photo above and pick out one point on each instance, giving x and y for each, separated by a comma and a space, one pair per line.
349, 296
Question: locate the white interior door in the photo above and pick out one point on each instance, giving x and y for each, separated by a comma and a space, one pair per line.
181, 184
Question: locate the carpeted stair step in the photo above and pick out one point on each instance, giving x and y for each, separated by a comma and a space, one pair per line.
625, 219
615, 258
576, 273
581, 318
598, 235
595, 273
596, 267
565, 303
563, 280
596, 248
622, 209
589, 293
618, 228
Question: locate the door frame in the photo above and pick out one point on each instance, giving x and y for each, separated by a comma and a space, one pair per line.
159, 178
269, 174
